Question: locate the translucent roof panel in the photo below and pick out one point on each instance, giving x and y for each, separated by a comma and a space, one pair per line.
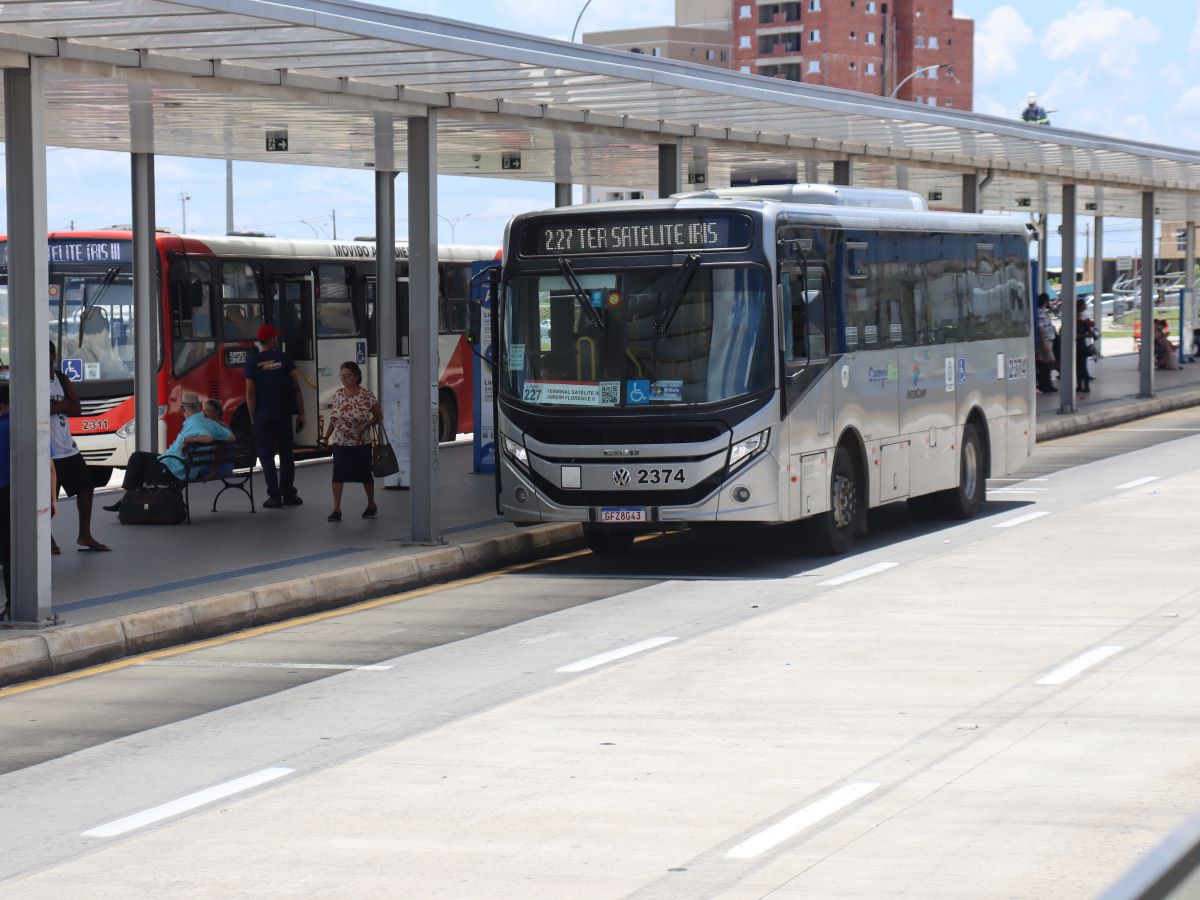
214, 74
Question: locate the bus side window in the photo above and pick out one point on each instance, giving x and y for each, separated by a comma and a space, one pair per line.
806, 315
335, 307
454, 293
191, 313
241, 301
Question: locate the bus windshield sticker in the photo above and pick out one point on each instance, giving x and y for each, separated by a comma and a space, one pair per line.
637, 391
949, 374
845, 376
91, 371
897, 331
872, 334
851, 335
516, 358
999, 366
572, 393
614, 298
667, 391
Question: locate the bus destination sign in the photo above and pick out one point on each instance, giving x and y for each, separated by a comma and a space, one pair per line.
640, 234
87, 250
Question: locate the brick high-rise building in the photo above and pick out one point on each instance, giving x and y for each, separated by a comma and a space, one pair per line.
861, 45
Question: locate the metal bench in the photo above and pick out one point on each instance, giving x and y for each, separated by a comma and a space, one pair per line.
230, 463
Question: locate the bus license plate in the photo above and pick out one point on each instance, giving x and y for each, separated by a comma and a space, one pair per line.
622, 514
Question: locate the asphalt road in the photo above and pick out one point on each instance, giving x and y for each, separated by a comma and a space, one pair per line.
996, 708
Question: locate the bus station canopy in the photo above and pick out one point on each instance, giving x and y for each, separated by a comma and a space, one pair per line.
219, 75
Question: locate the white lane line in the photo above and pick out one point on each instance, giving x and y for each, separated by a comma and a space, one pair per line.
857, 574
620, 653
188, 803
995, 491
1021, 520
218, 664
1080, 664
1137, 482
805, 818
1155, 430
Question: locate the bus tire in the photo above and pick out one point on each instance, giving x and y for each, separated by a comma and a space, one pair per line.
607, 541
833, 531
447, 417
100, 475
964, 501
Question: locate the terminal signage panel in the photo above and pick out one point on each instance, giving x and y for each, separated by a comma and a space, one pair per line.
618, 235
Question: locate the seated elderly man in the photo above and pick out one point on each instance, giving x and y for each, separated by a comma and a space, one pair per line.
203, 425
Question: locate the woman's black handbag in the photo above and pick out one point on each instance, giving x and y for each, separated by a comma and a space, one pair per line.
383, 458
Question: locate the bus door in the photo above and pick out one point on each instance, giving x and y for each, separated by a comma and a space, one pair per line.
292, 310
341, 331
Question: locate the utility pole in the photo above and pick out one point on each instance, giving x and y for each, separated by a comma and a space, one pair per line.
184, 197
333, 215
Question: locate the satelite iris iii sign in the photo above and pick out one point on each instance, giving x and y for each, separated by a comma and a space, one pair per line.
83, 251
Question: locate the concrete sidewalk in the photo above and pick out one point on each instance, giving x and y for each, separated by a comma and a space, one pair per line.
231, 570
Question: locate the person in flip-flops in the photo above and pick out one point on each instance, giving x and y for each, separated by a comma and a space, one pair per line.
73, 474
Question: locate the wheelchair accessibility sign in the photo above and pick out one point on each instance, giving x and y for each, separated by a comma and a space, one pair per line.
637, 391
73, 369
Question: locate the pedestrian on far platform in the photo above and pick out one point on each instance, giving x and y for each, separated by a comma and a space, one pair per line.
272, 398
355, 411
1045, 360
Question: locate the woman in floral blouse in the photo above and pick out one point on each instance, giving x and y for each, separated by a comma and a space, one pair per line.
354, 412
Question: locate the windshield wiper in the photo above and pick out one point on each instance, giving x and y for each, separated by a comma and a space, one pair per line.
675, 298
577, 289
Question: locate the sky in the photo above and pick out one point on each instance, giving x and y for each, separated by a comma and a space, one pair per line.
1128, 68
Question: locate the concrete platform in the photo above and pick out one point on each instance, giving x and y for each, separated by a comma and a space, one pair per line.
231, 569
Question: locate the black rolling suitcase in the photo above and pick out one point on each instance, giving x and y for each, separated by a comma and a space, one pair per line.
152, 506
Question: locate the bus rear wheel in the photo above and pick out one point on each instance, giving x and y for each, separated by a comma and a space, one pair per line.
447, 417
833, 531
605, 541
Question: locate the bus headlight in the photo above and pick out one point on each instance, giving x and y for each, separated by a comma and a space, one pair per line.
744, 451
516, 452
129, 429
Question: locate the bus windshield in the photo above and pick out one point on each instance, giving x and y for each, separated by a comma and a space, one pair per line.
637, 337
91, 320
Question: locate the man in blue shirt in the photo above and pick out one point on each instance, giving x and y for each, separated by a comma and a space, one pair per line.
5, 534
203, 425
272, 398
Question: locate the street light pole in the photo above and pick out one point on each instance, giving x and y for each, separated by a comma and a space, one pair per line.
452, 223
577, 18
917, 71
184, 197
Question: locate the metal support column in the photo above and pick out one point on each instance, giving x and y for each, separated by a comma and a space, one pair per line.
1192, 312
385, 254
1146, 357
1098, 280
229, 196
422, 323
670, 169
843, 172
1066, 305
563, 194
145, 304
28, 324
970, 193
1043, 225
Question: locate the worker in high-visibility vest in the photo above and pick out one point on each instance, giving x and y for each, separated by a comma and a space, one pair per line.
1034, 114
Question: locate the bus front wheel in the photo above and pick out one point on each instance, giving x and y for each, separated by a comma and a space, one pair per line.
447, 418
607, 540
964, 501
100, 475
833, 531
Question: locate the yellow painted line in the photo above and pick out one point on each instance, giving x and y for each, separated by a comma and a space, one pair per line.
127, 661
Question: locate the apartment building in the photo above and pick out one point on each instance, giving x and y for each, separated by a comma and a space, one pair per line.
701, 34
861, 45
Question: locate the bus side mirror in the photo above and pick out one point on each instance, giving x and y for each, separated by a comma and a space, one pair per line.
474, 323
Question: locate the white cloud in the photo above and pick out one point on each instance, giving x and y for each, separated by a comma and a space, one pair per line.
1194, 44
1188, 104
1094, 27
998, 40
989, 106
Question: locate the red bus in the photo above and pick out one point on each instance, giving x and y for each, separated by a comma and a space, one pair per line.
214, 294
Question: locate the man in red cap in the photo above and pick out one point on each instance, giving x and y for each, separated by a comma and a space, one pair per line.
272, 398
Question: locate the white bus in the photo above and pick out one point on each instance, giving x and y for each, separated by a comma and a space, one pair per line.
759, 355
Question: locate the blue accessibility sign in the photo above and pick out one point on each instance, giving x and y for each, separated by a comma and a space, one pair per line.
73, 369
637, 390
962, 370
